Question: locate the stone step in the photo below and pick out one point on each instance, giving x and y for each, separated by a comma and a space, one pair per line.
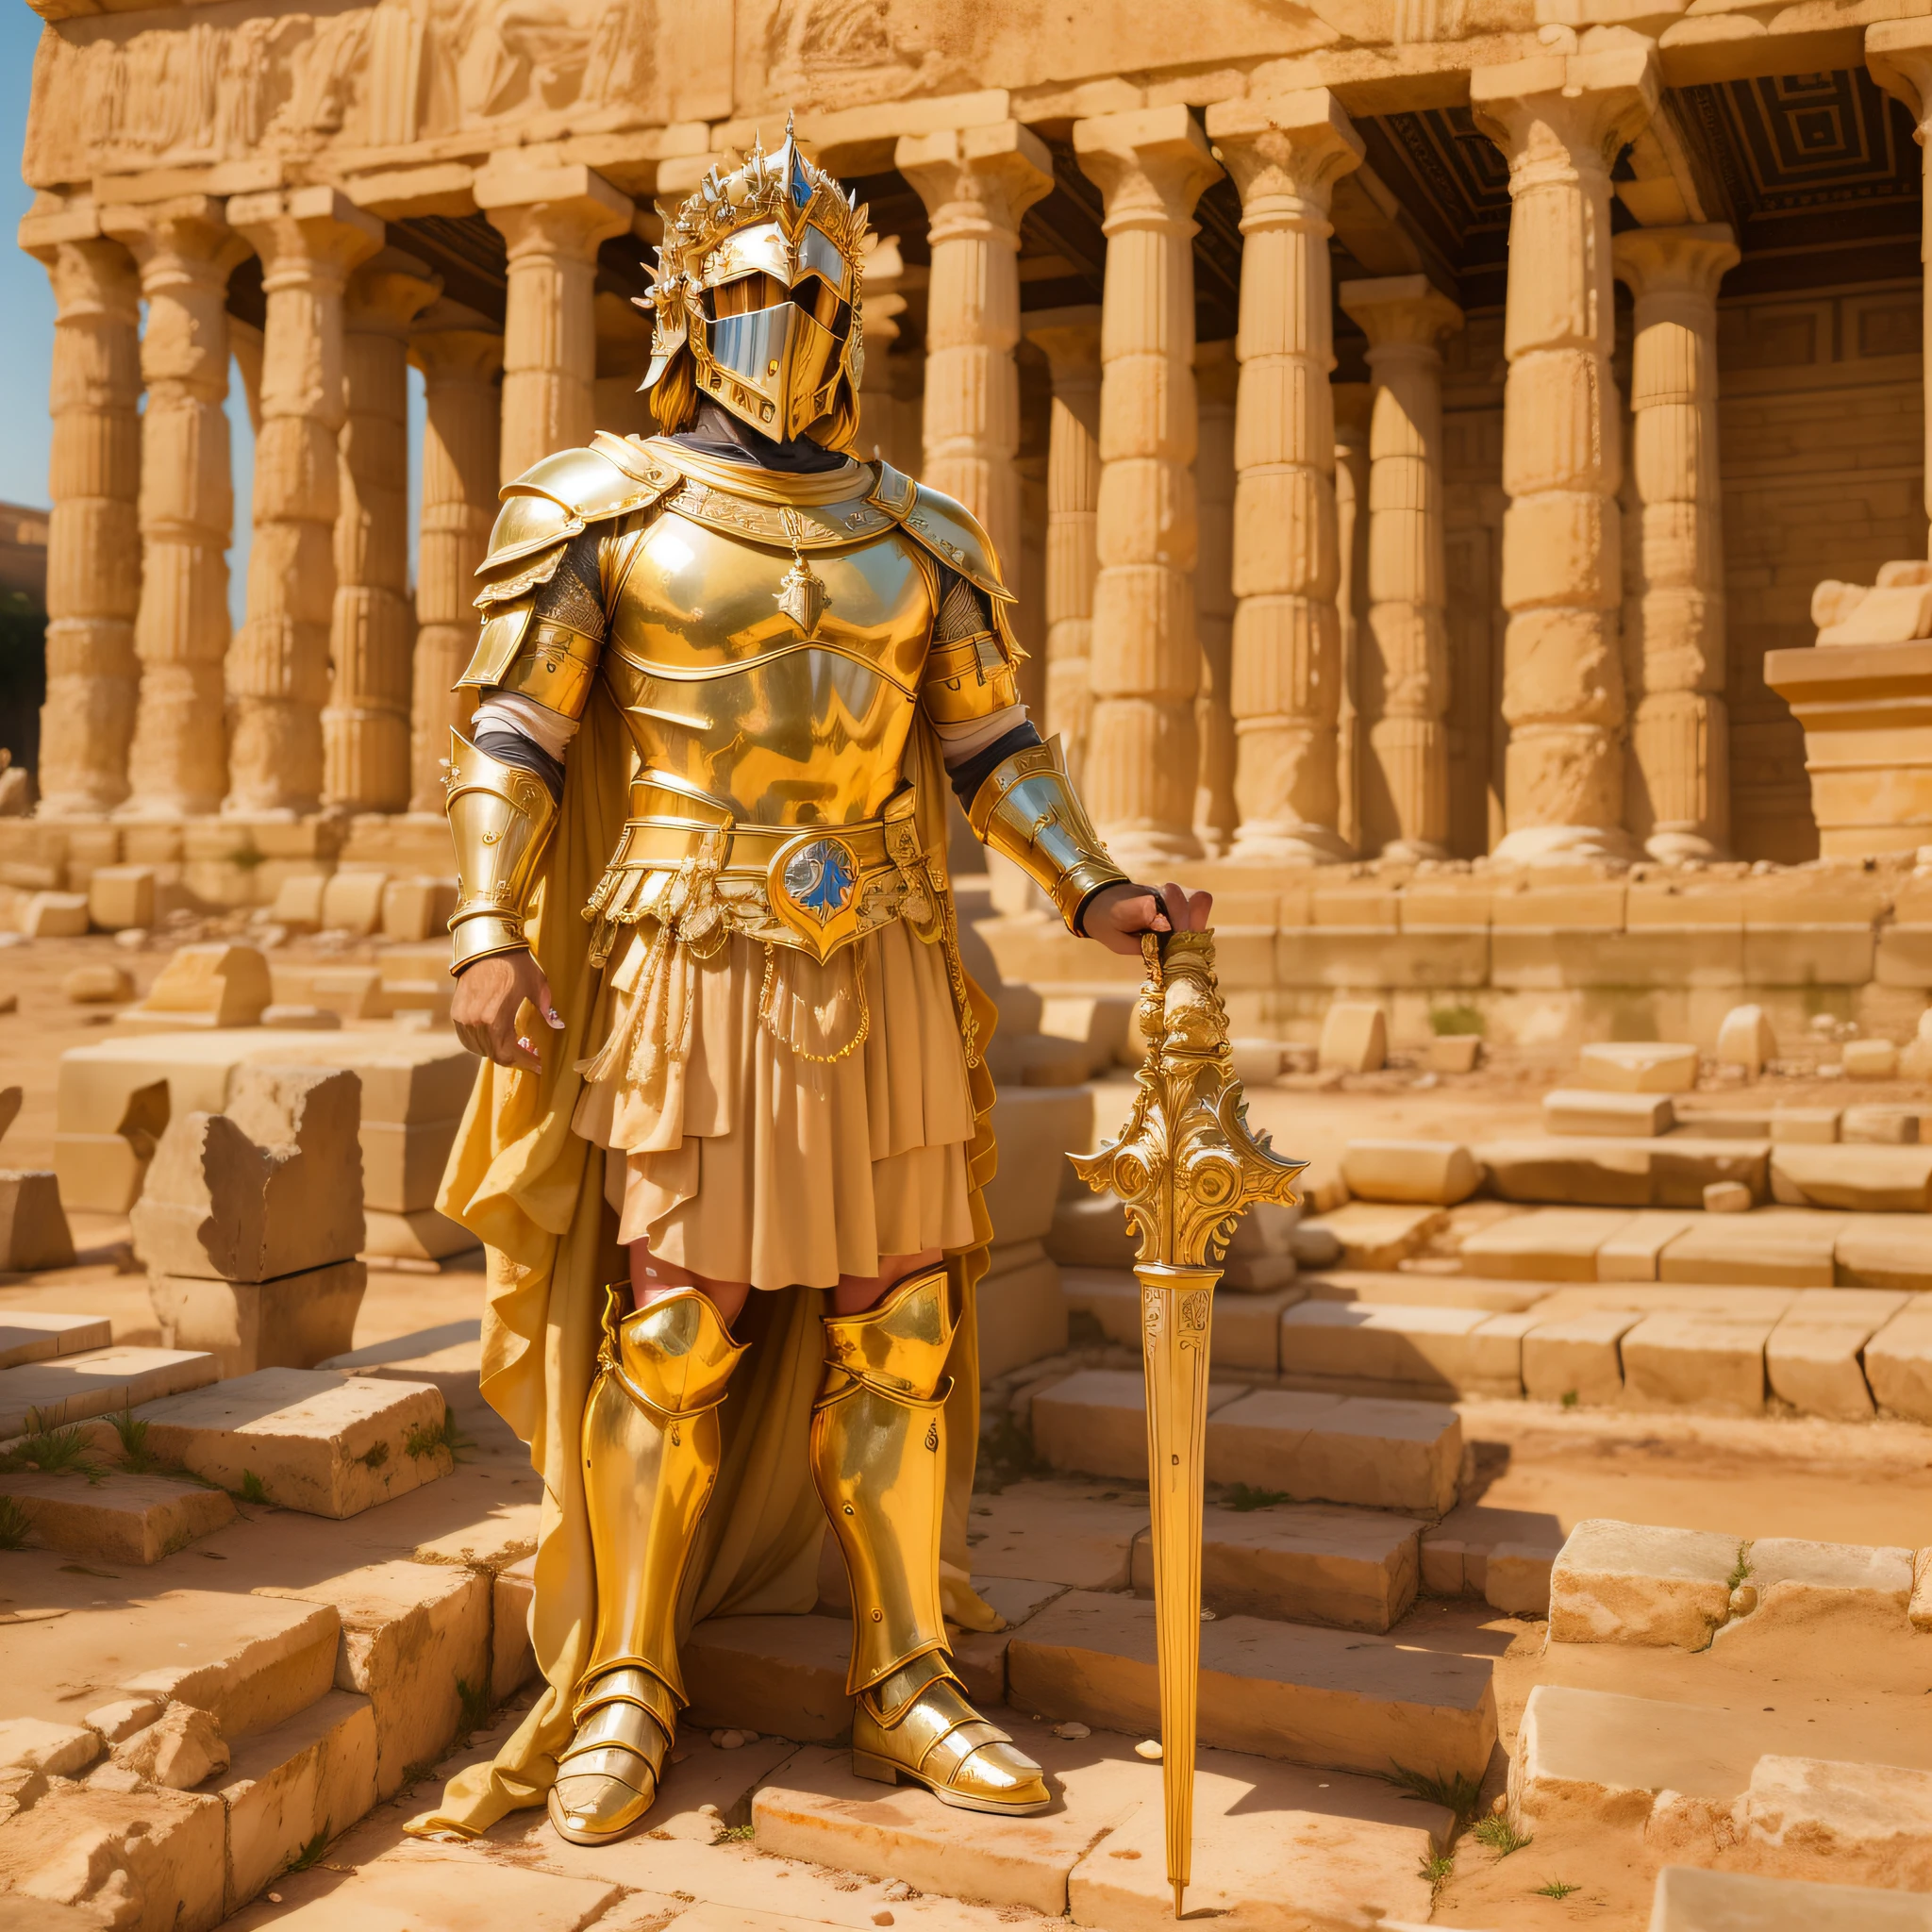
1690, 1899
1671, 1171
1320, 1448
1245, 1332
1369, 1287
1376, 1234
1302, 1563
1548, 1244
70, 1389
1096, 1421
1503, 1555
448, 1356
1078, 1535
418, 1890
1337, 1699
305, 1439
26, 1337
1570, 1110
118, 1519
1341, 1847
1393, 1349
1882, 1180
1776, 1247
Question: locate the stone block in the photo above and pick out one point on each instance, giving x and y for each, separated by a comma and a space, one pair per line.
1591, 1111
216, 985
351, 901
1110, 1295
1801, 1585
1518, 1580
293, 1322
1035, 1128
423, 1236
1339, 1699
1885, 1251
1822, 954
1635, 1251
1869, 1059
97, 986
181, 1748
315, 1773
1436, 1172
1074, 1534
1898, 1365
1746, 1040
1879, 1127
126, 1519
33, 1226
402, 1163
1376, 1235
1682, 1167
1312, 1446
1813, 1357
28, 1337
1021, 1311
53, 915
120, 897
31, 1743
1452, 1053
1100, 1023
415, 910
298, 903
776, 1675
1097, 1421
1424, 1290
1246, 1332
1690, 1899
1434, 1351
1738, 1123
1637, 1067
1708, 1364
1776, 1247
1806, 1126
1638, 1584
1886, 1180
72, 1388
1604, 1173
270, 1188
1816, 1819
314, 1442
1920, 1612
1090, 1231
1302, 1564
1727, 1197
1550, 1244
1576, 1360
1355, 1038
512, 1661
1457, 1551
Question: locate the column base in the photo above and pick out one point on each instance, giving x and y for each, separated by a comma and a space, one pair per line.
1143, 850
1676, 846
1412, 851
1289, 845
1563, 845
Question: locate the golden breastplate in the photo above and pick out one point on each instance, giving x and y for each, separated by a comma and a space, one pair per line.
781, 683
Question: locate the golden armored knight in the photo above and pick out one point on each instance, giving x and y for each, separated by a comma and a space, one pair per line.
705, 944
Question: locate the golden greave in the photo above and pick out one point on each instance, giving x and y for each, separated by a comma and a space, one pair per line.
651, 1454
878, 1453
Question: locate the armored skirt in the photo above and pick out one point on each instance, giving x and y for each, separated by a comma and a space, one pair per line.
771, 1119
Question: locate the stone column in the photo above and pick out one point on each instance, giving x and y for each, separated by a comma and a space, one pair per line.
880, 307
1561, 119
1150, 165
365, 728
460, 358
177, 762
554, 219
976, 183
1216, 375
308, 239
1352, 403
1405, 670
1285, 687
1070, 338
1899, 52
94, 535
1677, 792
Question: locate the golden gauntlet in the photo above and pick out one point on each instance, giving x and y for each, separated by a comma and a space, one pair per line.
1027, 809
500, 817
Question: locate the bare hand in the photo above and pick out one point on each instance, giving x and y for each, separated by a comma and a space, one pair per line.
1117, 915
489, 996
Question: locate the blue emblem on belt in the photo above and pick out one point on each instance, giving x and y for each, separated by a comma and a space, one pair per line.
820, 879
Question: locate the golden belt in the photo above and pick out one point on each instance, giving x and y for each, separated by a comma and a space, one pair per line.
688, 861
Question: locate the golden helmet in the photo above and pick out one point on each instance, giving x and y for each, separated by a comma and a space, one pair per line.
756, 299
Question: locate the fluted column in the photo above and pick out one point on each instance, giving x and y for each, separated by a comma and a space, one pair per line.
1899, 52
976, 184
1677, 788
94, 535
1216, 375
1285, 687
1352, 403
1561, 119
1406, 668
308, 239
1070, 338
1151, 166
460, 358
178, 762
365, 727
880, 307
554, 220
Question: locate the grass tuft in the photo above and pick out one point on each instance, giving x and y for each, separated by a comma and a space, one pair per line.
374, 1455
417, 1774
53, 1452
253, 1488
311, 1852
735, 1834
135, 1453
1740, 1569
1239, 1496
1556, 1888
1456, 1790
430, 1436
1569, 1398
1439, 1868
1447, 1021
1500, 1836
475, 1705
15, 1523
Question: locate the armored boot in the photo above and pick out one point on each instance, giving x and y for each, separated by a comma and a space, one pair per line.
878, 1453
651, 1451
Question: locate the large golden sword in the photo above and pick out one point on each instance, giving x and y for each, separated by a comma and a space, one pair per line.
1187, 1166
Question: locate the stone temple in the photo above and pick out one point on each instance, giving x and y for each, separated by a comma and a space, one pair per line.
1464, 468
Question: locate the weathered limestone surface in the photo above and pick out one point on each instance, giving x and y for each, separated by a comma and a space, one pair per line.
1691, 1899
1631, 1583
292, 1322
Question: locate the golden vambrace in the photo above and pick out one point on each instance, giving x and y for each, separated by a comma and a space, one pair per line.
500, 817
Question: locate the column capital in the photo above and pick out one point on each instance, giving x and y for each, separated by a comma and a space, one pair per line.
1578, 109
456, 352
550, 211
1653, 263
302, 232
1899, 55
1283, 149
92, 276
976, 178
186, 234
1069, 339
1151, 166
1397, 311
388, 291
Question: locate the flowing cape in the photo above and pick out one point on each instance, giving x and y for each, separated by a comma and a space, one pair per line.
533, 1192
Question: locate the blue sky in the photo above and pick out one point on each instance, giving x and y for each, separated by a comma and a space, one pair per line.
26, 332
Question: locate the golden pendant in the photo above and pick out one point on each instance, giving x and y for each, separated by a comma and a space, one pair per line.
802, 596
